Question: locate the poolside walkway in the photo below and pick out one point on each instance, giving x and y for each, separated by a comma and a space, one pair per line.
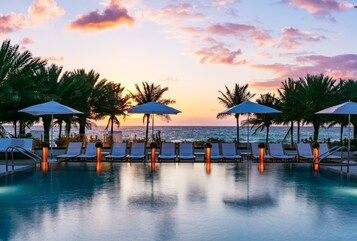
336, 168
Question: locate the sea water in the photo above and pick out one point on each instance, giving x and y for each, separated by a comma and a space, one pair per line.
203, 133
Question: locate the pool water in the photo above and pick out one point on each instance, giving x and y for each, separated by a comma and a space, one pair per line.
178, 202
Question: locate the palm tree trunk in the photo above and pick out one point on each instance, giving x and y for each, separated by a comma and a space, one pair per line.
316, 126
22, 128
237, 121
298, 131
82, 128
292, 133
15, 128
147, 129
341, 134
267, 137
46, 130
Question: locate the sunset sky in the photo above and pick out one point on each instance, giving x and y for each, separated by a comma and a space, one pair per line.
194, 47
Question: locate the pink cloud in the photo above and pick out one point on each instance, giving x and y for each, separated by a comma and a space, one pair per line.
223, 2
217, 53
320, 7
43, 9
339, 66
113, 15
241, 31
12, 22
180, 10
53, 59
293, 37
26, 40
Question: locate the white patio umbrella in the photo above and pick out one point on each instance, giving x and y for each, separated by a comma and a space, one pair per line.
248, 107
153, 108
50, 108
348, 108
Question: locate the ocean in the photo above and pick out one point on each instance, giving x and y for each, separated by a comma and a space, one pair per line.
203, 133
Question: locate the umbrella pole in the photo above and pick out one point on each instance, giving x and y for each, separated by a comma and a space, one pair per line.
152, 134
51, 140
248, 141
349, 143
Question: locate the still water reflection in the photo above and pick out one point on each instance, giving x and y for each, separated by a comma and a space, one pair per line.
178, 202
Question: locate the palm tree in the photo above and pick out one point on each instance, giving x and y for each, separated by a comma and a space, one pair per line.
18, 89
316, 92
83, 97
149, 93
112, 103
232, 98
291, 107
261, 121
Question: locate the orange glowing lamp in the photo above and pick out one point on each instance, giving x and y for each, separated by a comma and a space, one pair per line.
208, 167
208, 147
44, 152
261, 147
261, 167
315, 147
98, 152
153, 147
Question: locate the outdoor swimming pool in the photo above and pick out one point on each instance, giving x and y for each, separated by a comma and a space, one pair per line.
178, 202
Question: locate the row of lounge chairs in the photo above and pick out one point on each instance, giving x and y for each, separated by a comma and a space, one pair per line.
219, 151
119, 151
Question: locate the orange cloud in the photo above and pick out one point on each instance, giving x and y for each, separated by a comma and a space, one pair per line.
293, 37
44, 9
12, 22
113, 15
26, 40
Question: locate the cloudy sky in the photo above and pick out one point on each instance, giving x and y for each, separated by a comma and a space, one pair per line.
194, 47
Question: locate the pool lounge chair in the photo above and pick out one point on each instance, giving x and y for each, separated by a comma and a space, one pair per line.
229, 152
73, 150
89, 152
276, 150
254, 148
137, 151
186, 152
215, 152
118, 151
304, 151
324, 152
167, 151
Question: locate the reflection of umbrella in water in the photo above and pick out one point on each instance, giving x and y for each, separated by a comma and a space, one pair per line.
348, 108
50, 108
255, 202
151, 200
248, 107
153, 108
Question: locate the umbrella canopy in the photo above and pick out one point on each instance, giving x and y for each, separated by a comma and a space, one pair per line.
153, 108
248, 107
50, 108
348, 108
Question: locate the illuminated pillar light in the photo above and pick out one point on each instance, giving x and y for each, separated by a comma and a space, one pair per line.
261, 147
44, 152
98, 148
153, 147
208, 147
208, 168
316, 155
